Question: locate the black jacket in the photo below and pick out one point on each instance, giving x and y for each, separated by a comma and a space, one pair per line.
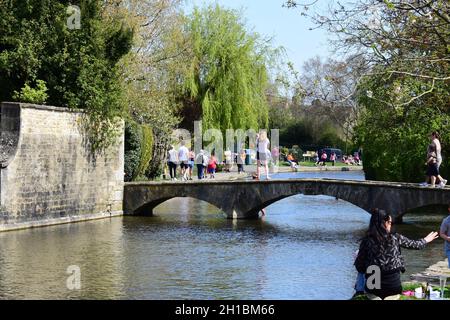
387, 255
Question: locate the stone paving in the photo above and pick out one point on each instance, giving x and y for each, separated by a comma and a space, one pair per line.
251, 170
432, 273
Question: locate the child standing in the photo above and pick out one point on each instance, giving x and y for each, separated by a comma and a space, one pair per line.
212, 164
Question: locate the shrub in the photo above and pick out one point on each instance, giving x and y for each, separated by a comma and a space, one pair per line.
133, 142
138, 150
297, 152
36, 95
146, 152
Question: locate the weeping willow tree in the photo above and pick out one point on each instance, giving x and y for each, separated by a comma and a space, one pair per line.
225, 83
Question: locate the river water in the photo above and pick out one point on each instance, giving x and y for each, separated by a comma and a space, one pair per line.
302, 249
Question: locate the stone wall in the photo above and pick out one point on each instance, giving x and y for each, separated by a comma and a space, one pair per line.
48, 174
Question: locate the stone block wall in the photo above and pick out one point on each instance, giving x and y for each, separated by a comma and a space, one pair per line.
48, 174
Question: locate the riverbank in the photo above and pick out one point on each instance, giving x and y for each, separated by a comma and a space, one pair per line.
431, 276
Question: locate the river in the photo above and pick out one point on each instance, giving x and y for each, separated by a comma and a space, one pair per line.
302, 249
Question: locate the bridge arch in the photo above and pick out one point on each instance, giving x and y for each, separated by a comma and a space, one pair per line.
148, 208
267, 203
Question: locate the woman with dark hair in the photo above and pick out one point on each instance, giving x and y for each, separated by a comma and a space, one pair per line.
381, 248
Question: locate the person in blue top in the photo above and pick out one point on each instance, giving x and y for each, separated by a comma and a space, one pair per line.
444, 232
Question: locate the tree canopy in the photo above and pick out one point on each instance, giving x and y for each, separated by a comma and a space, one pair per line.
225, 82
403, 92
78, 65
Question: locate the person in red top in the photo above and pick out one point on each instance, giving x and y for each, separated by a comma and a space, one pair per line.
212, 165
323, 158
333, 158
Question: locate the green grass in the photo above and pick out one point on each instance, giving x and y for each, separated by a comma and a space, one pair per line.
410, 287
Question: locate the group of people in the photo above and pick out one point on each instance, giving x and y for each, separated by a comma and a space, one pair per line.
207, 164
346, 159
324, 158
352, 160
187, 159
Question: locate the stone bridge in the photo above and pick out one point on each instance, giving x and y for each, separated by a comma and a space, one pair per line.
245, 198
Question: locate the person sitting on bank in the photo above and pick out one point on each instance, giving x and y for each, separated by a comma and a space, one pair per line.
292, 162
381, 248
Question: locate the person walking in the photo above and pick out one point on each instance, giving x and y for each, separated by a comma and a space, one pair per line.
183, 158
316, 158
323, 158
333, 158
435, 140
191, 163
432, 168
201, 161
241, 161
258, 163
263, 153
172, 162
212, 165
381, 248
433, 162
444, 232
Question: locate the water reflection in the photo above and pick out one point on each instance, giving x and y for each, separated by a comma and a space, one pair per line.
302, 249
34, 262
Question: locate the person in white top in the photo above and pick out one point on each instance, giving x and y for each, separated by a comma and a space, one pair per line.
183, 157
262, 153
172, 162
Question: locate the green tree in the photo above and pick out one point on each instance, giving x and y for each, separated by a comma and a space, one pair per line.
149, 72
227, 76
79, 66
403, 95
394, 138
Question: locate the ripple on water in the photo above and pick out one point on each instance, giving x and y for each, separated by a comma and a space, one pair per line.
302, 249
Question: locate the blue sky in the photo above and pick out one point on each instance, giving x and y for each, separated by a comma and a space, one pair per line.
287, 27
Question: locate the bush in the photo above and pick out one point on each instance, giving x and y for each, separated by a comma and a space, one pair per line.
330, 138
138, 150
297, 152
146, 153
36, 95
133, 138
285, 151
